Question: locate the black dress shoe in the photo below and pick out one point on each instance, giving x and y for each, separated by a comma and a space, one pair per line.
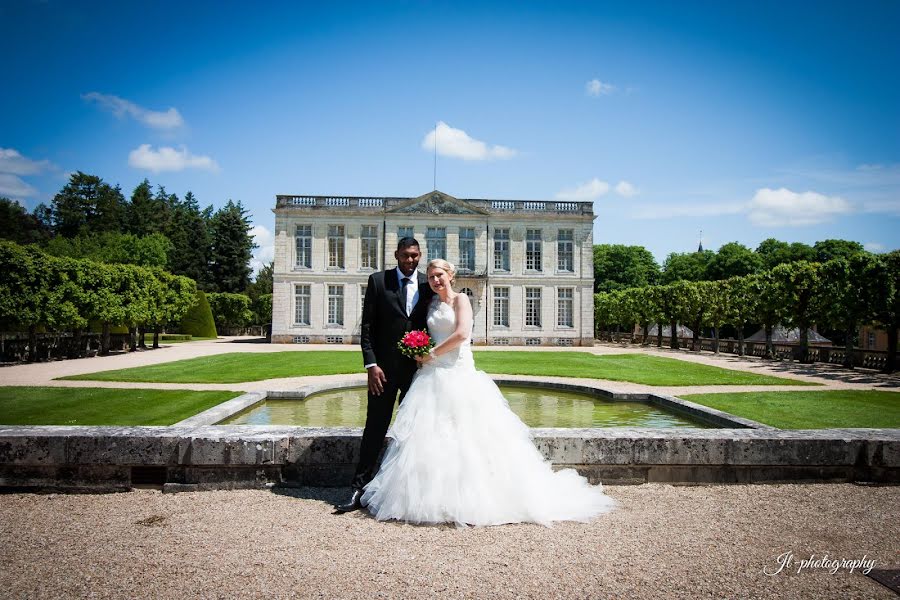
353, 504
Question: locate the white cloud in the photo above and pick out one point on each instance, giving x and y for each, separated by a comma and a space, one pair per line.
597, 88
456, 143
591, 190
265, 254
12, 162
626, 190
168, 159
874, 247
169, 119
12, 186
782, 207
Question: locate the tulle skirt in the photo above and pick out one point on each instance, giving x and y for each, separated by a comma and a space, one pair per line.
459, 455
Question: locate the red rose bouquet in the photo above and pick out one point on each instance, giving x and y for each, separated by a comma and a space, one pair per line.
415, 343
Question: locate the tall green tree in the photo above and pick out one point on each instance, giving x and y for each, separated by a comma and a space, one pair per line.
142, 218
124, 248
733, 260
190, 236
87, 205
768, 306
20, 226
688, 266
774, 252
743, 293
798, 291
231, 248
887, 306
831, 249
851, 289
718, 306
692, 306
617, 267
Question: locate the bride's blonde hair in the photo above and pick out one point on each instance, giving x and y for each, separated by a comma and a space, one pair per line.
440, 263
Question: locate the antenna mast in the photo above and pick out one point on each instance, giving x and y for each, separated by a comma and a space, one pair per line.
434, 182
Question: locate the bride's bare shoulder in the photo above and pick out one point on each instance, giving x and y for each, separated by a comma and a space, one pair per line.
462, 300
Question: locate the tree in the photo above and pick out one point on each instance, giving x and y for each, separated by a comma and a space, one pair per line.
718, 300
743, 296
774, 252
87, 205
262, 286
689, 266
692, 306
887, 306
733, 260
667, 301
150, 250
17, 225
231, 250
142, 219
617, 267
798, 293
768, 306
190, 238
645, 309
851, 288
24, 290
831, 249
230, 310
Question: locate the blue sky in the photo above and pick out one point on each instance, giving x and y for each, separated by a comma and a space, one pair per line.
747, 120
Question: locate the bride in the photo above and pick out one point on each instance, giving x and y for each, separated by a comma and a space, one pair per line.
459, 454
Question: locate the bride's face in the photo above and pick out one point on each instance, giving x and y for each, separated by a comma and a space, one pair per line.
439, 280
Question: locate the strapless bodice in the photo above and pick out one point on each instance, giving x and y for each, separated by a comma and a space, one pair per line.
441, 323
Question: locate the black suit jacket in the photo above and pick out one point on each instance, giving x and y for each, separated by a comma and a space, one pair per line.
384, 320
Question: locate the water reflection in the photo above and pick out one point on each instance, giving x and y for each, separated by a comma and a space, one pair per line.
536, 407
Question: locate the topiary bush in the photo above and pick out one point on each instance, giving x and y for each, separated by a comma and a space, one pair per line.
198, 321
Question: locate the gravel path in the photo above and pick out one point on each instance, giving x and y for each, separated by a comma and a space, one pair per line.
663, 541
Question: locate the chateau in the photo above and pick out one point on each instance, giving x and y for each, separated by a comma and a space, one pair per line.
526, 265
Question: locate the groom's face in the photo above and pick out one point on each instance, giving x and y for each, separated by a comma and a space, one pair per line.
408, 259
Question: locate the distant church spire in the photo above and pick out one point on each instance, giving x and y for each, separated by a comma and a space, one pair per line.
700, 247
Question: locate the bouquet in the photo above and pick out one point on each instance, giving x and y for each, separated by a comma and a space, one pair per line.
415, 343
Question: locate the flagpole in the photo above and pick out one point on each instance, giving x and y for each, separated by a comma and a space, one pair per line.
434, 182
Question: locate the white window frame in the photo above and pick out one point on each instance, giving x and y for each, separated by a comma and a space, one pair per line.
533, 307
334, 301
501, 307
561, 302
565, 249
337, 248
501, 249
466, 250
304, 291
435, 238
534, 246
368, 248
306, 251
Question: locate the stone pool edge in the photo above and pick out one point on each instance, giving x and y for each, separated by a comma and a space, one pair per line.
196, 454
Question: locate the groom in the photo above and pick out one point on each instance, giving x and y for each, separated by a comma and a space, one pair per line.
396, 302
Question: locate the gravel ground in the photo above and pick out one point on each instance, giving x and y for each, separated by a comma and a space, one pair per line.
663, 541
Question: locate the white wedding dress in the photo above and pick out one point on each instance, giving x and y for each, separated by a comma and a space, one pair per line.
459, 455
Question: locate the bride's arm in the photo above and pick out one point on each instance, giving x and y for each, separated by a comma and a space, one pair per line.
463, 309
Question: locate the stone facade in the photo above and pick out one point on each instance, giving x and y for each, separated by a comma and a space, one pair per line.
527, 265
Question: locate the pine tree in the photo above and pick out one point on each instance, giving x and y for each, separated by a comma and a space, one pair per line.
140, 212
190, 238
86, 205
231, 249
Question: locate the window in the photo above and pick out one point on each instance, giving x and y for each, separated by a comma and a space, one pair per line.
335, 305
368, 247
871, 340
533, 307
473, 302
303, 239
533, 250
466, 249
436, 242
301, 305
501, 249
404, 231
335, 246
501, 307
362, 298
565, 308
565, 250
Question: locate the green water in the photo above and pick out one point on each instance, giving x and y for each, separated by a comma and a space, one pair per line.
536, 407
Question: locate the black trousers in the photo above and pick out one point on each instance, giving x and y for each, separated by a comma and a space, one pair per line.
378, 419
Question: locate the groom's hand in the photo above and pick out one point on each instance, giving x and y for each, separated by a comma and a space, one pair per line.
377, 379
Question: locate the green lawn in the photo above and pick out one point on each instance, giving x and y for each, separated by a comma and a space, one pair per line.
102, 406
242, 367
808, 409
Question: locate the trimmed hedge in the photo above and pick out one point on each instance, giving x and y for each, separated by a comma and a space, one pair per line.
198, 321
